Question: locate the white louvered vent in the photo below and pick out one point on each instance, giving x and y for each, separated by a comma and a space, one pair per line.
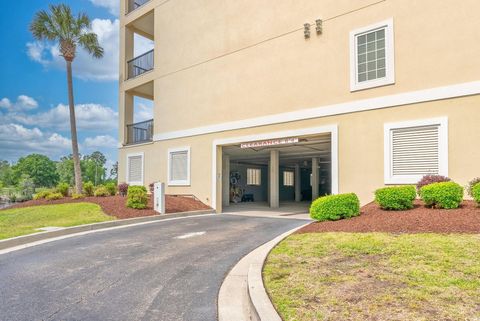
135, 169
415, 150
254, 176
288, 178
179, 166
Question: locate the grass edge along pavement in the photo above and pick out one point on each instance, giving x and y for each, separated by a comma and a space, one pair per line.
375, 276
27, 220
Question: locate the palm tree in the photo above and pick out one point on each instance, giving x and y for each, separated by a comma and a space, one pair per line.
60, 25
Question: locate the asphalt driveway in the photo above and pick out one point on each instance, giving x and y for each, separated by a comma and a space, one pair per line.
170, 270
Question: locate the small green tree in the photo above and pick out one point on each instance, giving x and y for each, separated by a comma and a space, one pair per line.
40, 168
26, 187
65, 171
114, 172
6, 173
94, 167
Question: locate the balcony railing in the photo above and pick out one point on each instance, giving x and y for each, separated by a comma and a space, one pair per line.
140, 64
140, 132
134, 4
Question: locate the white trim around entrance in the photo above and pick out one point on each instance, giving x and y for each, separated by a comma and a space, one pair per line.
332, 129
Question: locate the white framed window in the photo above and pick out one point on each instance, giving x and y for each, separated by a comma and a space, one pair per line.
372, 56
254, 176
135, 169
179, 166
414, 149
288, 178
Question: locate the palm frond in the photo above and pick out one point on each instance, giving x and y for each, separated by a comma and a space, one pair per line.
59, 24
43, 28
83, 22
89, 41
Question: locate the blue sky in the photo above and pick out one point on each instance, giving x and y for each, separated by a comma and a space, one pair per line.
33, 90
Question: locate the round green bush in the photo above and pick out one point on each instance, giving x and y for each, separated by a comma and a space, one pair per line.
101, 191
89, 189
112, 188
396, 197
476, 192
471, 184
76, 196
335, 207
442, 195
430, 179
53, 196
42, 194
63, 188
137, 197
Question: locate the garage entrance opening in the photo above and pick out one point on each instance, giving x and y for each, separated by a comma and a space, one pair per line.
282, 174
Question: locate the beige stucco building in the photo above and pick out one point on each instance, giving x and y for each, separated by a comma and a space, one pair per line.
249, 102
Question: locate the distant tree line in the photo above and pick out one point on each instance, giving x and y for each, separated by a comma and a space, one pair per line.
40, 171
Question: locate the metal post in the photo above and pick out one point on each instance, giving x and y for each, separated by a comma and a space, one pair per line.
159, 197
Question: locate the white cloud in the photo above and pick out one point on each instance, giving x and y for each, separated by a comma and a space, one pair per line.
88, 116
100, 141
17, 140
143, 112
84, 66
5, 103
23, 103
36, 52
113, 6
141, 45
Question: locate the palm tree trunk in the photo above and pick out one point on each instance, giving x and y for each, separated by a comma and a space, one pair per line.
73, 129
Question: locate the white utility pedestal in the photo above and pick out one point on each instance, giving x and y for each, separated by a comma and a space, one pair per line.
159, 197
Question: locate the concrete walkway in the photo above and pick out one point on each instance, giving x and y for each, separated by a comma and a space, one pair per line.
170, 270
298, 210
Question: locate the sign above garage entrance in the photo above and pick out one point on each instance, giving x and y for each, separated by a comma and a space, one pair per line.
270, 142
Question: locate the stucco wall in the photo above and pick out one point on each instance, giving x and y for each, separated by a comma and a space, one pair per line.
361, 154
199, 81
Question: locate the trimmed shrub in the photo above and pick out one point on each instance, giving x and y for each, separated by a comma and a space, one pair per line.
137, 197
476, 192
42, 194
123, 189
101, 191
54, 196
396, 197
89, 188
112, 188
23, 198
430, 179
76, 196
471, 184
63, 188
335, 207
442, 195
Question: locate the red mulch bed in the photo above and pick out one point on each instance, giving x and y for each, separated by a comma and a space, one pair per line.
420, 219
115, 205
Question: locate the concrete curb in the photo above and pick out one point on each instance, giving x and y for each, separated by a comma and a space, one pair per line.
242, 295
25, 239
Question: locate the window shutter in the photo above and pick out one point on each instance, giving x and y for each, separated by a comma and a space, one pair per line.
179, 166
415, 150
135, 164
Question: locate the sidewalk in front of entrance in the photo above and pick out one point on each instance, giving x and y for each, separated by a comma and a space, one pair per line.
294, 210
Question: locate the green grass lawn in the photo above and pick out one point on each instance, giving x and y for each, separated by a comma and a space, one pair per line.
375, 276
21, 221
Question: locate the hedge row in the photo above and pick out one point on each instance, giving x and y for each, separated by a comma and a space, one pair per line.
434, 190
